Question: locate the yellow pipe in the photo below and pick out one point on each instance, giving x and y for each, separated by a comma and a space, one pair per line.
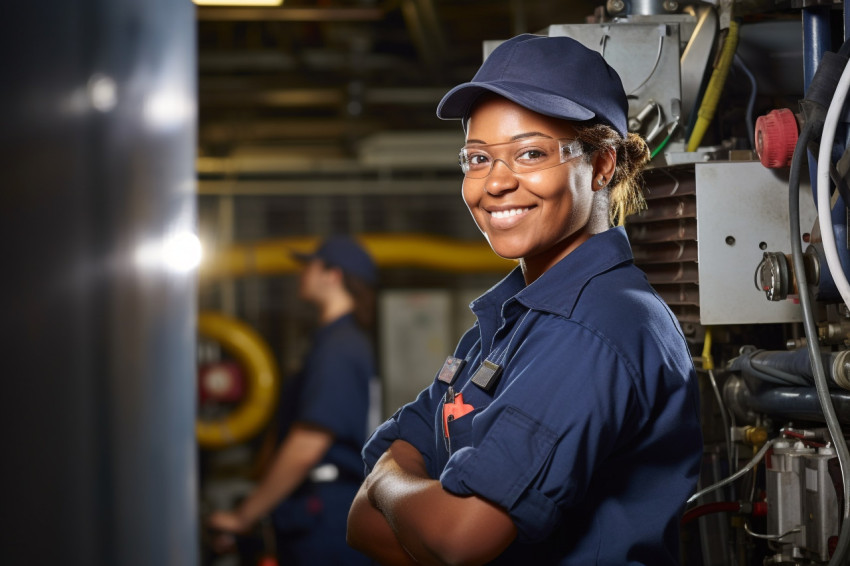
715, 87
388, 250
263, 382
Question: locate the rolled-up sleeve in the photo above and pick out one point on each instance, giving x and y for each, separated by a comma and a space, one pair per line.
535, 447
413, 423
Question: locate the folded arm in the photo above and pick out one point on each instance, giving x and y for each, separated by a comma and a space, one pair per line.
432, 525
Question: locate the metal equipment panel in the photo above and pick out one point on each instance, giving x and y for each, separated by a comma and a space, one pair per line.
742, 211
646, 56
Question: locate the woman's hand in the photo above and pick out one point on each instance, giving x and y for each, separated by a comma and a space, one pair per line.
225, 525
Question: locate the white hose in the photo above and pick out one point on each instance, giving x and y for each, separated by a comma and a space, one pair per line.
830, 250
750, 465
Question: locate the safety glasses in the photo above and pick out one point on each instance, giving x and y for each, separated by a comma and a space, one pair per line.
521, 156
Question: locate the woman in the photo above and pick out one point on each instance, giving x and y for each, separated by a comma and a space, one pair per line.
565, 428
323, 418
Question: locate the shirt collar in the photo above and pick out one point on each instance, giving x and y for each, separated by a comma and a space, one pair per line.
558, 289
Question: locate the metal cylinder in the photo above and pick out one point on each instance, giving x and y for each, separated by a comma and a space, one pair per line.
98, 332
648, 7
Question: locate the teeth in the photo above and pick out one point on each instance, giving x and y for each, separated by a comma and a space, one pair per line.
507, 213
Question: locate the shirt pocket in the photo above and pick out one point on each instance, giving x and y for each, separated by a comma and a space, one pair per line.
460, 432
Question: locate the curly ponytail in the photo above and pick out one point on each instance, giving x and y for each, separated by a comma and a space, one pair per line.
625, 189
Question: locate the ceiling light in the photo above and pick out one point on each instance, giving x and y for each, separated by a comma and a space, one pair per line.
238, 3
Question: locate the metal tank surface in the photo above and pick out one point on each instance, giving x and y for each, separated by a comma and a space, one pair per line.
99, 302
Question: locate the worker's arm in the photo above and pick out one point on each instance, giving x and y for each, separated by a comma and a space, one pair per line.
301, 450
369, 532
431, 524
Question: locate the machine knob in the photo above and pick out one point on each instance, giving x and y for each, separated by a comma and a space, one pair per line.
773, 276
775, 137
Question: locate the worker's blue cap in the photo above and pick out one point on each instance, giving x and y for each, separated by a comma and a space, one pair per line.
553, 76
345, 253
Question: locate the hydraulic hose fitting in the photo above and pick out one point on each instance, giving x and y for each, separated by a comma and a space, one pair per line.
614, 7
775, 277
755, 436
841, 369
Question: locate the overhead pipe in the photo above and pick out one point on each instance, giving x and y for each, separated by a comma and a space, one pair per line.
274, 257
286, 14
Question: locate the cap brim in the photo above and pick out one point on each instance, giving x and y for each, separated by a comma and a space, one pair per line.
458, 101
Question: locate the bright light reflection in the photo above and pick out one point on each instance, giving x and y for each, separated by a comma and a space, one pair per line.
179, 253
182, 252
165, 110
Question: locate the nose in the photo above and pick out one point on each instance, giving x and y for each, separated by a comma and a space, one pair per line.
500, 179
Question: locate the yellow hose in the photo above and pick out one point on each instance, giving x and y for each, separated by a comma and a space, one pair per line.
707, 360
715, 87
388, 250
256, 358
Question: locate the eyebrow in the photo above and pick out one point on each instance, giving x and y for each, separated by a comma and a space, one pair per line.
521, 136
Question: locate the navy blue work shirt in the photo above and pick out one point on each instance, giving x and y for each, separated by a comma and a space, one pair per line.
591, 438
332, 392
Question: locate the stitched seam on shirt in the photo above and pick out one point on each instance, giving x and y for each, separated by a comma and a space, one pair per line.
504, 353
544, 441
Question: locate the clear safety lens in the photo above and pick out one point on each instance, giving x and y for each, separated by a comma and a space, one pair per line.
521, 156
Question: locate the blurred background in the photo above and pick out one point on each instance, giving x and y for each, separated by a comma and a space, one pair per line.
161, 160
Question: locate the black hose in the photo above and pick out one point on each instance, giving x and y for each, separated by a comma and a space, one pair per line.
793, 403
781, 367
800, 152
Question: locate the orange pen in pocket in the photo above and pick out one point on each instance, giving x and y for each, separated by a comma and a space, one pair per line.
454, 408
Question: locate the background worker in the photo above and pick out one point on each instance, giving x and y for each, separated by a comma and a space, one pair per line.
565, 427
323, 418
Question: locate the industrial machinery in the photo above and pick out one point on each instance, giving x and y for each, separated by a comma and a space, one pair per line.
745, 236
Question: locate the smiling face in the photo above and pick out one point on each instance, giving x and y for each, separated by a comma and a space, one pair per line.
537, 217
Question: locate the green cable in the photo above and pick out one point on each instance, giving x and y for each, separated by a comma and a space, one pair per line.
660, 146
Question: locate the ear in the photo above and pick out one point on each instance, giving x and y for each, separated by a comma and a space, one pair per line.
604, 164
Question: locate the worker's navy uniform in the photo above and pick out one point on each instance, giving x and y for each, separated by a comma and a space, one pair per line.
591, 437
331, 391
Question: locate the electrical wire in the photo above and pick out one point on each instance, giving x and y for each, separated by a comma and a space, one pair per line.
771, 537
654, 66
671, 128
839, 182
707, 508
751, 102
726, 481
833, 116
715, 87
726, 428
800, 152
708, 366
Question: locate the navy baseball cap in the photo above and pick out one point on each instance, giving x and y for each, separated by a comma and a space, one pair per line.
345, 253
553, 76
